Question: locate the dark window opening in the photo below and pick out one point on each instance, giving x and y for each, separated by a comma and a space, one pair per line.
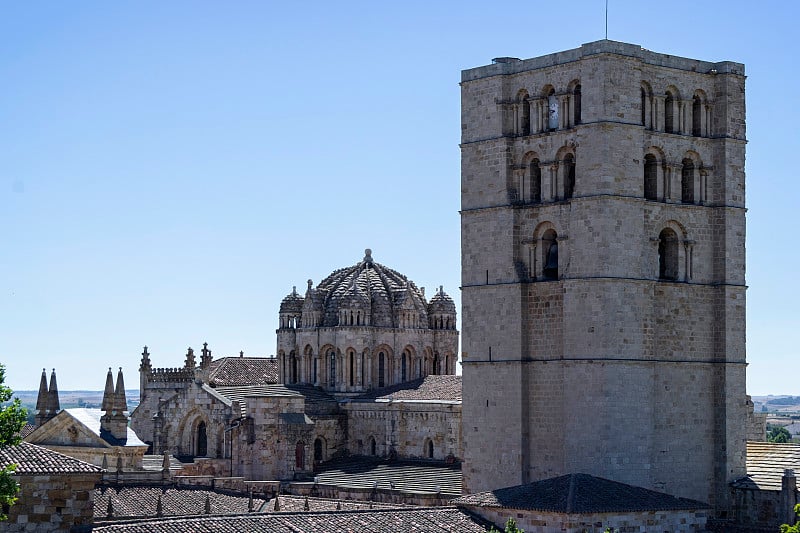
202, 440
644, 107
550, 243
697, 110
526, 116
650, 177
668, 255
381, 369
535, 173
669, 126
569, 176
332, 376
687, 182
577, 104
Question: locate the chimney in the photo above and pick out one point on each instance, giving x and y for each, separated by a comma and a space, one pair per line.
788, 496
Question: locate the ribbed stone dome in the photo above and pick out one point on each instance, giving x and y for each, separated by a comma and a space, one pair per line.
367, 285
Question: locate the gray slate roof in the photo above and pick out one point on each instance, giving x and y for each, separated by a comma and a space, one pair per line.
429, 388
579, 493
766, 462
419, 520
243, 371
36, 460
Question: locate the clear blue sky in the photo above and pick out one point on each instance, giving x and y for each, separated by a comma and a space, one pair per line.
169, 170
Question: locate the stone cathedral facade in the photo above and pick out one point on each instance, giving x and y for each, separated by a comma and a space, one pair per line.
603, 262
365, 366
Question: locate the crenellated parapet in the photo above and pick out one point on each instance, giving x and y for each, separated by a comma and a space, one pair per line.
177, 375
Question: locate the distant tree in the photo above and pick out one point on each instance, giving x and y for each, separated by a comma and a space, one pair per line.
511, 527
779, 434
12, 418
786, 528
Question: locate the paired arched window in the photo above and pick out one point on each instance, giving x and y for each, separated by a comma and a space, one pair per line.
668, 255
687, 181
650, 177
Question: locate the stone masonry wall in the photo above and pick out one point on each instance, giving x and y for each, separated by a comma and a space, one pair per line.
55, 502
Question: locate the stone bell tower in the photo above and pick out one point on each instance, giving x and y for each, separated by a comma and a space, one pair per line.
603, 227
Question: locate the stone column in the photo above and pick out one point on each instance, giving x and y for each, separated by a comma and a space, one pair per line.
688, 260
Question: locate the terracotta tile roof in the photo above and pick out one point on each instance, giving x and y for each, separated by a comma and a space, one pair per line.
35, 460
242, 371
419, 520
26, 430
296, 504
766, 462
579, 493
406, 476
132, 501
429, 388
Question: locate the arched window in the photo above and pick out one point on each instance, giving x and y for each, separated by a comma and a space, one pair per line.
314, 369
650, 177
697, 117
202, 440
569, 176
668, 255
332, 375
429, 449
687, 181
373, 446
300, 456
535, 174
435, 363
318, 447
669, 113
552, 105
644, 107
294, 367
576, 108
550, 250
363, 368
525, 119
381, 369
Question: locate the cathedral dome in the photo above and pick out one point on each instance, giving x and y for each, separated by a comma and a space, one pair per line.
378, 290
